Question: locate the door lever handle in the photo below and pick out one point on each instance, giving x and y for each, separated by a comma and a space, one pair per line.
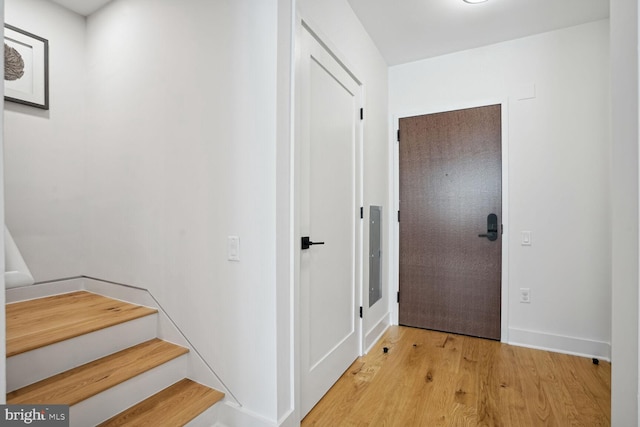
307, 243
492, 235
492, 228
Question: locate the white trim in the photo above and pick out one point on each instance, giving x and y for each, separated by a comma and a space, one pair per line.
289, 420
232, 415
394, 283
361, 229
294, 365
375, 333
40, 290
295, 210
325, 41
204, 419
394, 225
121, 292
560, 344
504, 314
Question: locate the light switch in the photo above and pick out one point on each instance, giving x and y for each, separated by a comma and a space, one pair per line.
233, 248
526, 238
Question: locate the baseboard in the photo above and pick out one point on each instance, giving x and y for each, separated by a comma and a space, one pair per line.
374, 334
232, 415
560, 344
207, 418
121, 292
290, 420
45, 289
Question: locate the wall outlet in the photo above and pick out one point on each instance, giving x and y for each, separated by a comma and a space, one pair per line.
525, 295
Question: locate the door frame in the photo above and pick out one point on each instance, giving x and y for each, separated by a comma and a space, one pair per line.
394, 184
303, 24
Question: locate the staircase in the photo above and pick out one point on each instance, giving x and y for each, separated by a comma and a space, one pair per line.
102, 357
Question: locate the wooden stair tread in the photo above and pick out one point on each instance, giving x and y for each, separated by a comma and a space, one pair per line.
85, 381
174, 406
37, 323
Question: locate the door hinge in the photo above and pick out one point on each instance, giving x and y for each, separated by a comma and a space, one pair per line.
361, 212
398, 216
501, 228
362, 114
361, 312
398, 298
398, 135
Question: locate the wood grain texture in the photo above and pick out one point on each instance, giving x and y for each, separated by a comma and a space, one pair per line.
172, 407
37, 323
430, 378
80, 383
450, 181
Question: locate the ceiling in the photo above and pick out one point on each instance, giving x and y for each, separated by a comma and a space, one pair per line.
83, 7
409, 30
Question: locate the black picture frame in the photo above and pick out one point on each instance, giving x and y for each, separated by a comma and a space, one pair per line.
26, 67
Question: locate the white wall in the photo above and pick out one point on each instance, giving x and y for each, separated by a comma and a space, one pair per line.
139, 175
624, 127
44, 150
182, 97
558, 176
336, 24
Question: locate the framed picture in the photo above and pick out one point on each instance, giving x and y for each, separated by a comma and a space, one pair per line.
26, 68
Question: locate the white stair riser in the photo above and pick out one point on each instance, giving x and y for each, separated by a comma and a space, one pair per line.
27, 368
105, 405
206, 419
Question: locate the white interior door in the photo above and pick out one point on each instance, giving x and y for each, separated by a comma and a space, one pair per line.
329, 205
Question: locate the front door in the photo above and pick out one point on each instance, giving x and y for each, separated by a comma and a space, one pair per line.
450, 221
328, 193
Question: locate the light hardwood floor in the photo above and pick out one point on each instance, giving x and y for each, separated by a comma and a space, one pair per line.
436, 379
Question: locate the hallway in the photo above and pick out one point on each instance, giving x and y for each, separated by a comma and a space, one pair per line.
431, 378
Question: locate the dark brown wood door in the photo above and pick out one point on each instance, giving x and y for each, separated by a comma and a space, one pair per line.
450, 181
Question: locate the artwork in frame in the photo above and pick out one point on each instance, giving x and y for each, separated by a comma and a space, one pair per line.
26, 68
